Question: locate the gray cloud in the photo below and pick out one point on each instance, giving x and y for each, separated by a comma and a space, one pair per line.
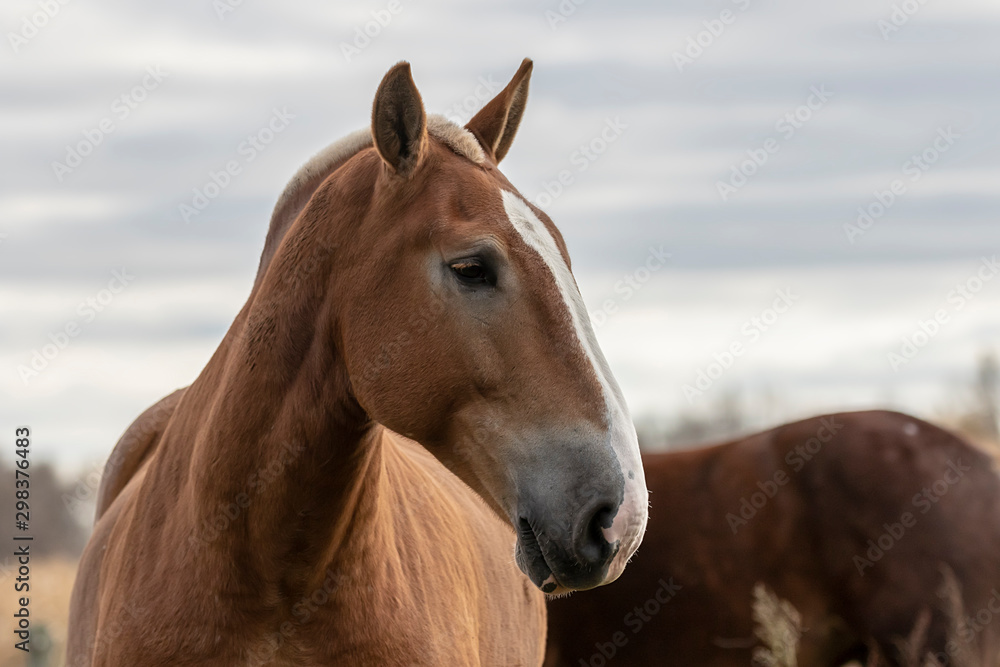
656, 185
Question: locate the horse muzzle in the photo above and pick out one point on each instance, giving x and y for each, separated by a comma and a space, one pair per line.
575, 554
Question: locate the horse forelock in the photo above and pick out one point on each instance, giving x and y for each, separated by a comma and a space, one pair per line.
455, 137
311, 175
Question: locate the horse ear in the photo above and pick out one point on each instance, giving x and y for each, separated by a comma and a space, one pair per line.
399, 124
496, 123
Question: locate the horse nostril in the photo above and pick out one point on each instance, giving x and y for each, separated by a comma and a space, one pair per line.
594, 548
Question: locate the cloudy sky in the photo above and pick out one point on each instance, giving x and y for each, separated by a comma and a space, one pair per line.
822, 175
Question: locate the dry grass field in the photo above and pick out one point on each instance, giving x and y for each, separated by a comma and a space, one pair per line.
51, 584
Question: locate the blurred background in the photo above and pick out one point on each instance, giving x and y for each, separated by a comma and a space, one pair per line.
774, 208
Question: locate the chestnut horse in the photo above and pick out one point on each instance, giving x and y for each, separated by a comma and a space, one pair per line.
852, 518
270, 513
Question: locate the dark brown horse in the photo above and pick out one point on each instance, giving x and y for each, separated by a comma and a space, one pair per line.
859, 520
279, 510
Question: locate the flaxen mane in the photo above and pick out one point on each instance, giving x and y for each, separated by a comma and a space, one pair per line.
311, 175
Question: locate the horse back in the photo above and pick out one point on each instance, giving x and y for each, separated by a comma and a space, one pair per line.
134, 447
853, 518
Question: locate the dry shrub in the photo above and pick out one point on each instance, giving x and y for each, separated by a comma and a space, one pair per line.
778, 626
913, 649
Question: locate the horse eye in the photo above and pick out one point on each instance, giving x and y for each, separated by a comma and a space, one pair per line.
472, 272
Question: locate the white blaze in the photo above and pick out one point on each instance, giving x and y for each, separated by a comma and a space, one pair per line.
630, 521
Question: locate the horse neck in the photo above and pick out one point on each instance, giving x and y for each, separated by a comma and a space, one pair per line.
281, 456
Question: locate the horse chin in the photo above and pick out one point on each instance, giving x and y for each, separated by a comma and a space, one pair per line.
532, 563
530, 559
